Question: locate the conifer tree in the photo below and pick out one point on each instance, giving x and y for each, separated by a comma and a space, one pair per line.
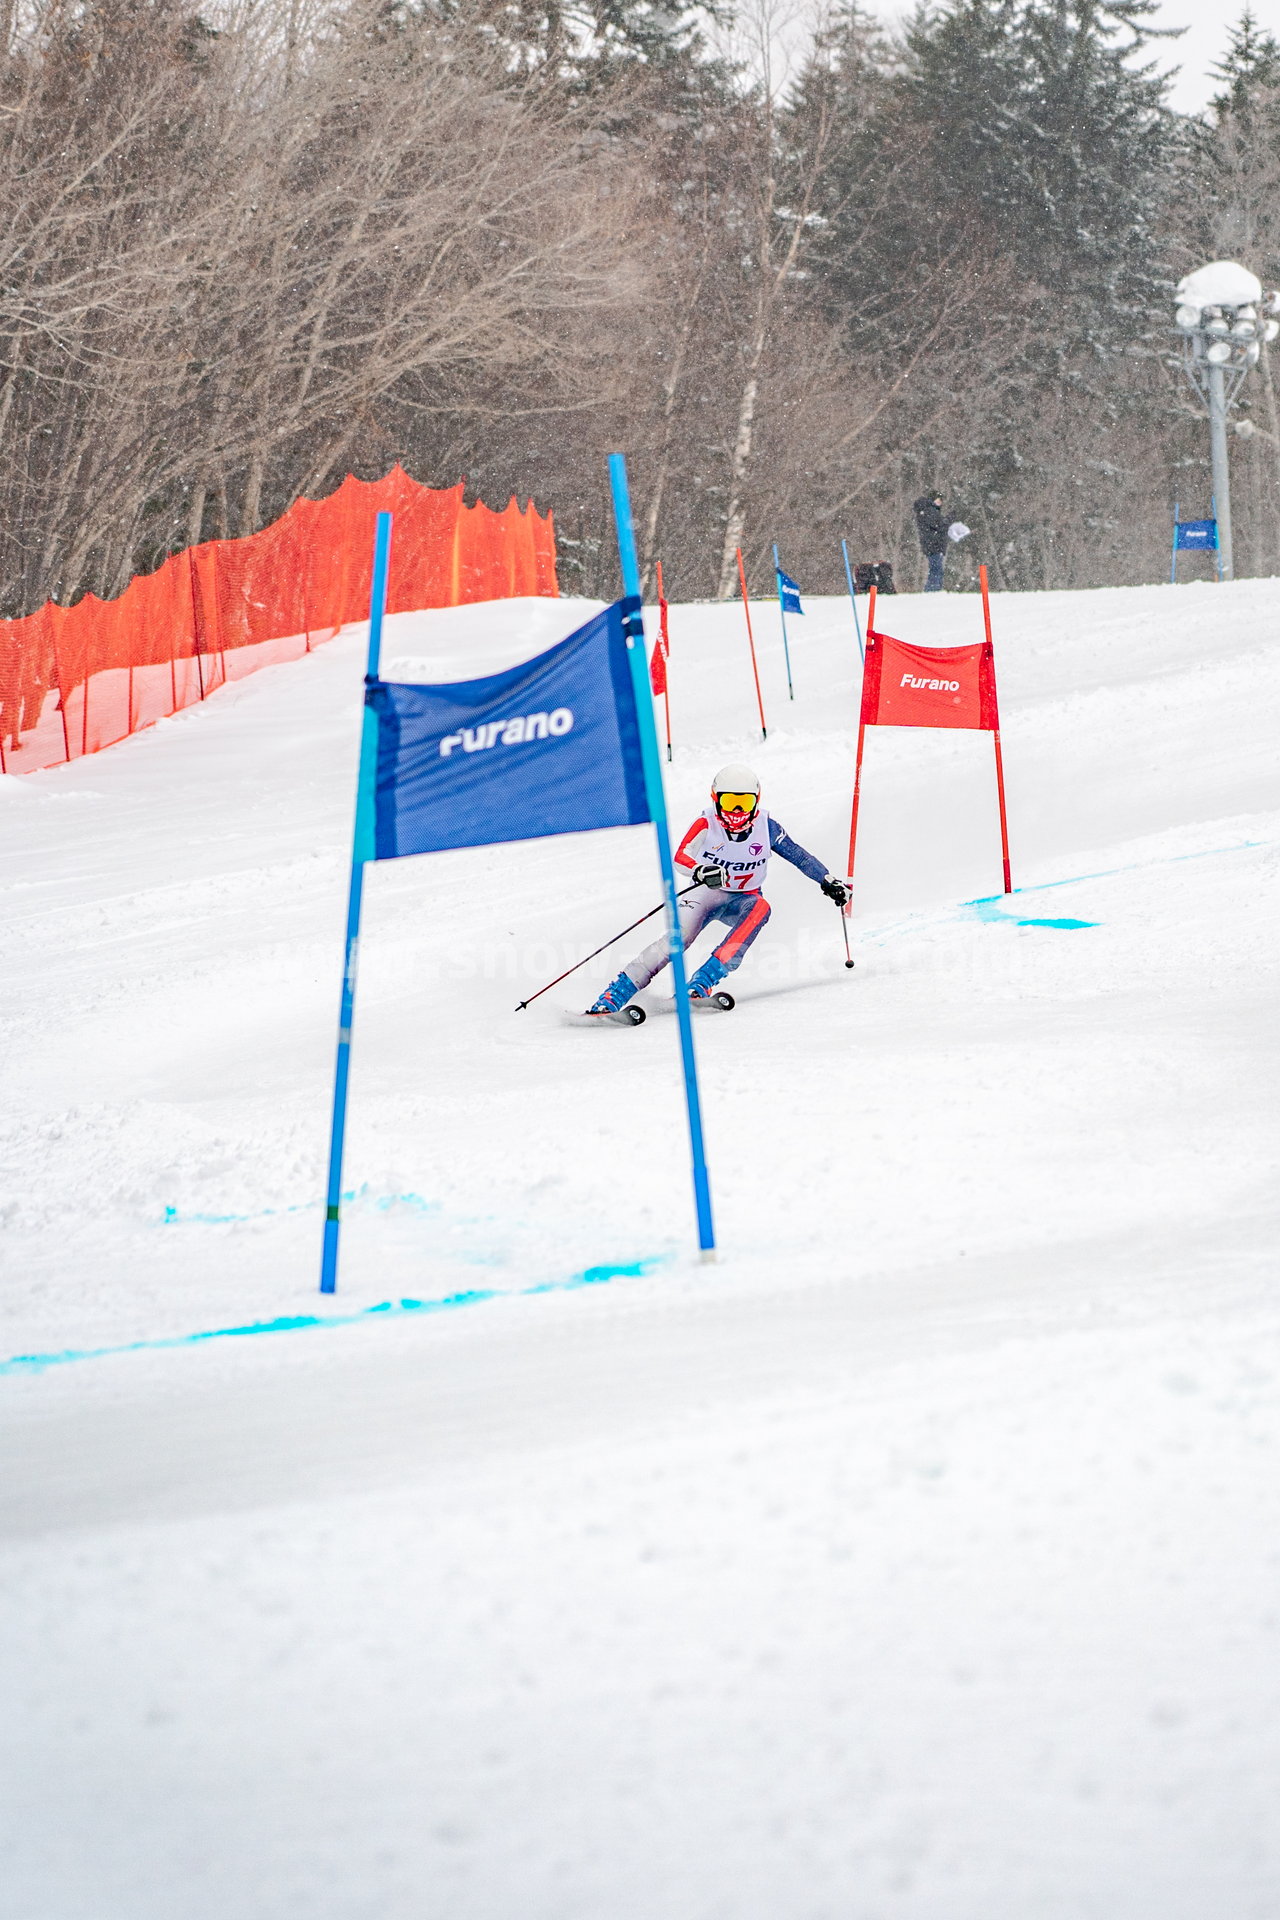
1250, 68
1047, 119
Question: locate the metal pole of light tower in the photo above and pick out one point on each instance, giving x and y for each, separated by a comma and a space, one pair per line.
1221, 471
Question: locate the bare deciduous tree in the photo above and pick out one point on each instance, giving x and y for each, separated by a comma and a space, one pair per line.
228, 255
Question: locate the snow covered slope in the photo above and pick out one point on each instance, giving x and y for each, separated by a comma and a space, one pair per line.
919, 1559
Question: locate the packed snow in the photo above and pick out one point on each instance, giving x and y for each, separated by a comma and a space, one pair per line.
918, 1561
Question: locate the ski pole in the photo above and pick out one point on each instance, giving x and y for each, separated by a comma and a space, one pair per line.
844, 928
608, 943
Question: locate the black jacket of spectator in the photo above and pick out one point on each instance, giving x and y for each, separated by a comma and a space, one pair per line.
931, 524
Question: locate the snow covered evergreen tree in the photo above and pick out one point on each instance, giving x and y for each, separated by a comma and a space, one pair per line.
1046, 119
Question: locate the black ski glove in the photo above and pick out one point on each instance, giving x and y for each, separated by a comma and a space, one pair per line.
835, 890
708, 874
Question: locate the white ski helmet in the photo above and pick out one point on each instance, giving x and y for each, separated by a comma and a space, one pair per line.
739, 785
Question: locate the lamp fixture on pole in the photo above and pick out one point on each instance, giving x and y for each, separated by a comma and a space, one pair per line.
1223, 317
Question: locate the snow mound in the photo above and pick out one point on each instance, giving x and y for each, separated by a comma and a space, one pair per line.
1223, 283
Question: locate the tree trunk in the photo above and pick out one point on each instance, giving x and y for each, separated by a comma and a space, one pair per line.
195, 518
741, 461
252, 496
670, 388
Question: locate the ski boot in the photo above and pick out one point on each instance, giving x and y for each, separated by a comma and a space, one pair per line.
706, 979
704, 984
613, 1002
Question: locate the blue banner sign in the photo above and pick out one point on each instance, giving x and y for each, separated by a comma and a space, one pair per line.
551, 746
1198, 534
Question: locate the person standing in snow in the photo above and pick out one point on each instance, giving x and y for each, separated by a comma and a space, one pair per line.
727, 852
931, 526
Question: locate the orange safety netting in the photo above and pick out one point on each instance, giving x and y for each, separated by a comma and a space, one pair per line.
74, 679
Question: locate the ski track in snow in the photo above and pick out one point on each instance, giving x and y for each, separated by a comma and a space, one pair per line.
919, 1560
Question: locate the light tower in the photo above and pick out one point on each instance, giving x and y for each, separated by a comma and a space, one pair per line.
1221, 315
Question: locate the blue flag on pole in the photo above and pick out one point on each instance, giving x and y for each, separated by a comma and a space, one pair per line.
1196, 534
551, 746
789, 593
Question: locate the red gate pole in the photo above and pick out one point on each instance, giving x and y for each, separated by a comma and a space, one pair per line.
853, 818
857, 771
666, 658
746, 608
1004, 824
1004, 818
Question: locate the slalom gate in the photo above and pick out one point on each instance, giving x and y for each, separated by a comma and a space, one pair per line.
75, 679
579, 753
906, 686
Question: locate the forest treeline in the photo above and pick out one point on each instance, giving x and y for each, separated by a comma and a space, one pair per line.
798, 275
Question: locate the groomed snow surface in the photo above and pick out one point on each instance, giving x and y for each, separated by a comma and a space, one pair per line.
919, 1561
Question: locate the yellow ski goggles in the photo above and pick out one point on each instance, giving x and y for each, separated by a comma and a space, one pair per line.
737, 802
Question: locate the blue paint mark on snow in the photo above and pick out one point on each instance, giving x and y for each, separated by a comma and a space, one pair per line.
298, 1322
991, 912
989, 908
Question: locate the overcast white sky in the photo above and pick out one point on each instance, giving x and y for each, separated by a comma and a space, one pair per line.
1204, 42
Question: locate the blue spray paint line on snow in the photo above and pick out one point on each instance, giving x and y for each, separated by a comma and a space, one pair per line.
303, 1322
1134, 866
990, 908
381, 1202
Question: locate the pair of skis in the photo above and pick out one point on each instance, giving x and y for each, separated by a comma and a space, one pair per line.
633, 1016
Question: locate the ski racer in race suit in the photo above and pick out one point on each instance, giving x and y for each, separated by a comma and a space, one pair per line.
726, 851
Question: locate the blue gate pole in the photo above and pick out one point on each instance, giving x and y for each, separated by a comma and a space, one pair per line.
655, 792
361, 849
782, 615
1173, 564
853, 601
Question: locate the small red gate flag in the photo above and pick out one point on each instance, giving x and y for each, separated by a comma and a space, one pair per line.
658, 661
907, 686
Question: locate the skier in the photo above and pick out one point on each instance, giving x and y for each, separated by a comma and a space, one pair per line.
727, 851
931, 526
